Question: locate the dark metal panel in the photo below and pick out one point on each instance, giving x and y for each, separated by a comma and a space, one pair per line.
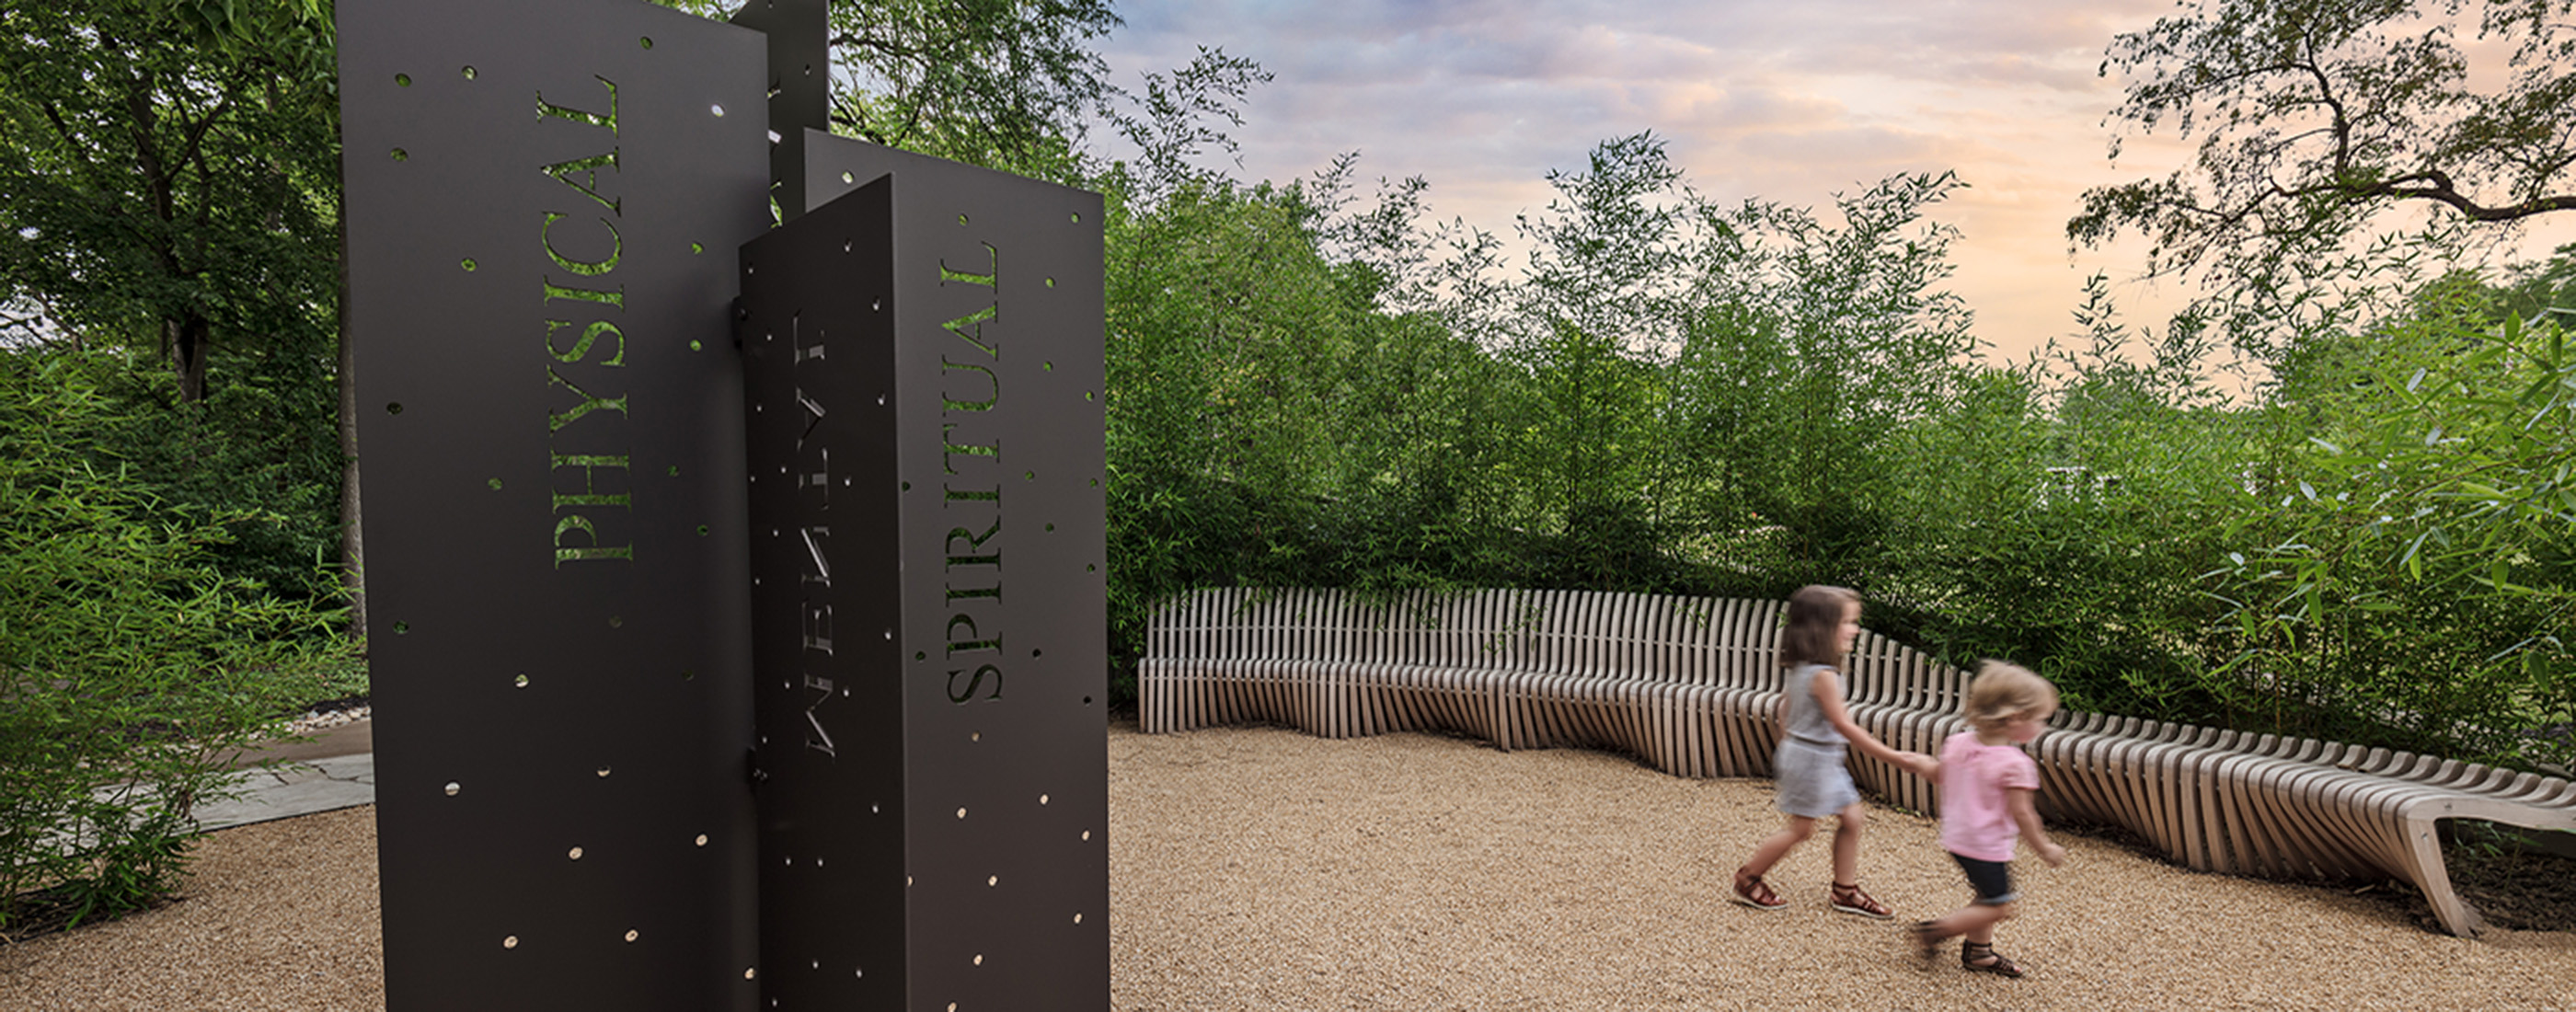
800, 98
818, 358
542, 197
998, 358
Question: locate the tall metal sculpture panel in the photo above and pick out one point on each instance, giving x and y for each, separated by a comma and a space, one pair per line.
925, 430
690, 699
543, 198
800, 96
818, 351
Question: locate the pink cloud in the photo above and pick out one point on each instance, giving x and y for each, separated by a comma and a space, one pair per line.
1787, 102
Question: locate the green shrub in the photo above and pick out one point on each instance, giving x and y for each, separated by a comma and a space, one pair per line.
2409, 573
130, 669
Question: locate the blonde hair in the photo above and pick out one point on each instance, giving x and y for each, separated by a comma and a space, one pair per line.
2003, 692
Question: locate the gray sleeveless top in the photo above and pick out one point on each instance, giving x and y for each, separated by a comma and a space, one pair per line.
1807, 719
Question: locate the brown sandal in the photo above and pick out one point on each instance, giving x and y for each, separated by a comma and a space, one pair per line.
1850, 900
1981, 957
1750, 891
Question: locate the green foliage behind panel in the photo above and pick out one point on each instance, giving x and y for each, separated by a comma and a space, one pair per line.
130, 667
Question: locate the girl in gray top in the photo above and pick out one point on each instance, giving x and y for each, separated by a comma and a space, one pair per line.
1815, 730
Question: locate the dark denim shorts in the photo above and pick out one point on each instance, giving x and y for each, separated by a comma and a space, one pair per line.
1991, 879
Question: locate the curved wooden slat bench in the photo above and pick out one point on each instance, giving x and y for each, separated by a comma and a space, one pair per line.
1660, 677
1687, 685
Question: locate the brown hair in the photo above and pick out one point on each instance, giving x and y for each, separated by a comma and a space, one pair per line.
1815, 616
2004, 691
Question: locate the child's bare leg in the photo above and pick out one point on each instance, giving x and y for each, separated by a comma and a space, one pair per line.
1847, 844
1974, 922
1779, 844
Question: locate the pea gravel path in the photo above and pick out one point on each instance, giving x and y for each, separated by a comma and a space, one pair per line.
1264, 869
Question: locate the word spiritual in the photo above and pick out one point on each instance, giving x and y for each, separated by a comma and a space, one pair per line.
973, 572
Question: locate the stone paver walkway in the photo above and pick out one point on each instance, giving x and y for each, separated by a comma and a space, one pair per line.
334, 770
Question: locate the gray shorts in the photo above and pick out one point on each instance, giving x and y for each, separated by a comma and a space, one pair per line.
1813, 779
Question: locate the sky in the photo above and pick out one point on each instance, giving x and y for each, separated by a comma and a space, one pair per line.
1790, 102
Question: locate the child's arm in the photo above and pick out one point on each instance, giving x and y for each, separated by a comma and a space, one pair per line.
1829, 699
2025, 814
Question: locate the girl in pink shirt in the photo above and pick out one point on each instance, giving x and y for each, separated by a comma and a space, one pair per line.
1987, 783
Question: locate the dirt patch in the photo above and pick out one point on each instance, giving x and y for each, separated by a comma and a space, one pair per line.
42, 912
2516, 889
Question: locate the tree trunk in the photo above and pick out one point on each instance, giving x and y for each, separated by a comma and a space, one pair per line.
188, 341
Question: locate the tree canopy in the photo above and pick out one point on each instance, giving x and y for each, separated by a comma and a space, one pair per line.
2314, 115
170, 172
993, 82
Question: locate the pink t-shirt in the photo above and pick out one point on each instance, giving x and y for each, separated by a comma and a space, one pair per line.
1975, 821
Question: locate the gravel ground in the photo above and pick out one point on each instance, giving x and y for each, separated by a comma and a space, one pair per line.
1264, 869
278, 916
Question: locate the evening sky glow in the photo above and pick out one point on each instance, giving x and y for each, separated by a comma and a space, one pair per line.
1790, 103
